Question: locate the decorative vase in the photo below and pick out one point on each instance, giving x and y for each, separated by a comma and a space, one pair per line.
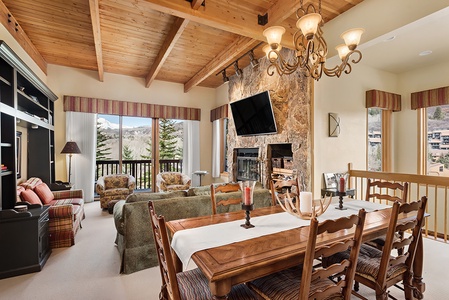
247, 188
342, 181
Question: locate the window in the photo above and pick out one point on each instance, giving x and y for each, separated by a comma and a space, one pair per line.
374, 139
437, 118
125, 145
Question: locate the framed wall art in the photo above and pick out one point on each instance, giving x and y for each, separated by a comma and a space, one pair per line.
330, 181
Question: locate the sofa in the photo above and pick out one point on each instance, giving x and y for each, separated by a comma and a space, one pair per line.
114, 187
134, 238
66, 209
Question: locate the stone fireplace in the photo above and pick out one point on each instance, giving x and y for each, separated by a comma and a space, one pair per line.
290, 96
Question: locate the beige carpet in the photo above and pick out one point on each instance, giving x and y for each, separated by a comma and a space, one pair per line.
90, 269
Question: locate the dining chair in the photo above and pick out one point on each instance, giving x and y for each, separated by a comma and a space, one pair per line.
379, 270
389, 192
187, 285
307, 282
224, 201
385, 190
281, 187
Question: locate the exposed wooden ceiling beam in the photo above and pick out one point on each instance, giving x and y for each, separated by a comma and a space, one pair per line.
14, 28
224, 16
176, 30
230, 19
281, 10
196, 4
223, 58
95, 17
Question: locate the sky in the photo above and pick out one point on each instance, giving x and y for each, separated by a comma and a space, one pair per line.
127, 121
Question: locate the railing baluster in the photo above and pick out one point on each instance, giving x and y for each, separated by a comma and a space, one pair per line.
140, 169
434, 187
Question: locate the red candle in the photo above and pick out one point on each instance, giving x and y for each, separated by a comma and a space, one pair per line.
342, 185
247, 195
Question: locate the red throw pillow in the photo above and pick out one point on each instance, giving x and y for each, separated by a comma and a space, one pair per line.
30, 197
44, 193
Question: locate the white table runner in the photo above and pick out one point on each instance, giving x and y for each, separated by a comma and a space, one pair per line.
188, 241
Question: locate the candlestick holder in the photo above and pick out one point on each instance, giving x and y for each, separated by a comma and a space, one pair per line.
247, 209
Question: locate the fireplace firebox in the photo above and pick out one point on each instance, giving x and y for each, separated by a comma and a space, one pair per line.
247, 164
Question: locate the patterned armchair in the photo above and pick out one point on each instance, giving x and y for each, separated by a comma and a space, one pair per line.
114, 187
172, 181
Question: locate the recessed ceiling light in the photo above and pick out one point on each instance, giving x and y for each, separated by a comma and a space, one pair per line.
389, 39
426, 52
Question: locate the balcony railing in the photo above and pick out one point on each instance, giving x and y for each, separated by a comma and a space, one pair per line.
140, 169
434, 187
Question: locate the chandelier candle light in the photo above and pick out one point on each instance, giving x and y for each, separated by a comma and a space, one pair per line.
310, 46
247, 188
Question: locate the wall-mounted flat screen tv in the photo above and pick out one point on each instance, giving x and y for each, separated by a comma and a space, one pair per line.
254, 115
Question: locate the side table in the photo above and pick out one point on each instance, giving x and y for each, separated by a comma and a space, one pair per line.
335, 192
200, 173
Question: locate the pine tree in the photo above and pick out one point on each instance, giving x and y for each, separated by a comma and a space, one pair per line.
127, 153
438, 114
168, 140
102, 150
148, 148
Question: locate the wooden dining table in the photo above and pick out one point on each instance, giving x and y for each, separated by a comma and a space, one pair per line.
243, 261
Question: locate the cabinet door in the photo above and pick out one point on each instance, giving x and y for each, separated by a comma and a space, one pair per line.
39, 154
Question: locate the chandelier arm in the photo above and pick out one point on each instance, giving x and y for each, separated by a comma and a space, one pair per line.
345, 66
311, 51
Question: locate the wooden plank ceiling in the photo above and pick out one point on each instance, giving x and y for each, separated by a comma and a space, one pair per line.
180, 41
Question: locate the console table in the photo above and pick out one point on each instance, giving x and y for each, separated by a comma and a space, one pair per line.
24, 241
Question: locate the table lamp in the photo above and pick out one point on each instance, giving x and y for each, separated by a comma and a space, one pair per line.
70, 148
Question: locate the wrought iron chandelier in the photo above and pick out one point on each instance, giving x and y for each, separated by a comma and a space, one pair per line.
310, 46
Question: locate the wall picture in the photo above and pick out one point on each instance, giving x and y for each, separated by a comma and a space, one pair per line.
330, 181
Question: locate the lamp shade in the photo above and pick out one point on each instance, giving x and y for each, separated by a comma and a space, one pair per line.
309, 24
273, 35
352, 37
271, 54
343, 50
70, 148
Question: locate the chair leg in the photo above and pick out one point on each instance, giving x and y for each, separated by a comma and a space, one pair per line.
356, 286
381, 294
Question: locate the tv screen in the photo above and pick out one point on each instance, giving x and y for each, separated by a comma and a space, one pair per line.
254, 115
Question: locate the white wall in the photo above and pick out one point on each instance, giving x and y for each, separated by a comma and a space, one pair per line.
77, 82
406, 124
345, 96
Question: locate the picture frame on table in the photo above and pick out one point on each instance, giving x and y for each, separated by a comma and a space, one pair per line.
330, 181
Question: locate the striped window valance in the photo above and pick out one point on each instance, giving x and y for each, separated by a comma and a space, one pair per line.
383, 100
434, 97
132, 109
219, 112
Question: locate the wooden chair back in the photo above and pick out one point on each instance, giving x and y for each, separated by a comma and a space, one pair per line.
408, 243
224, 188
394, 191
344, 267
169, 289
280, 187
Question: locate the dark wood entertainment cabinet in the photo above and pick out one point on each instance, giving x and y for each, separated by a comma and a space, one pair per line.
25, 103
24, 242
